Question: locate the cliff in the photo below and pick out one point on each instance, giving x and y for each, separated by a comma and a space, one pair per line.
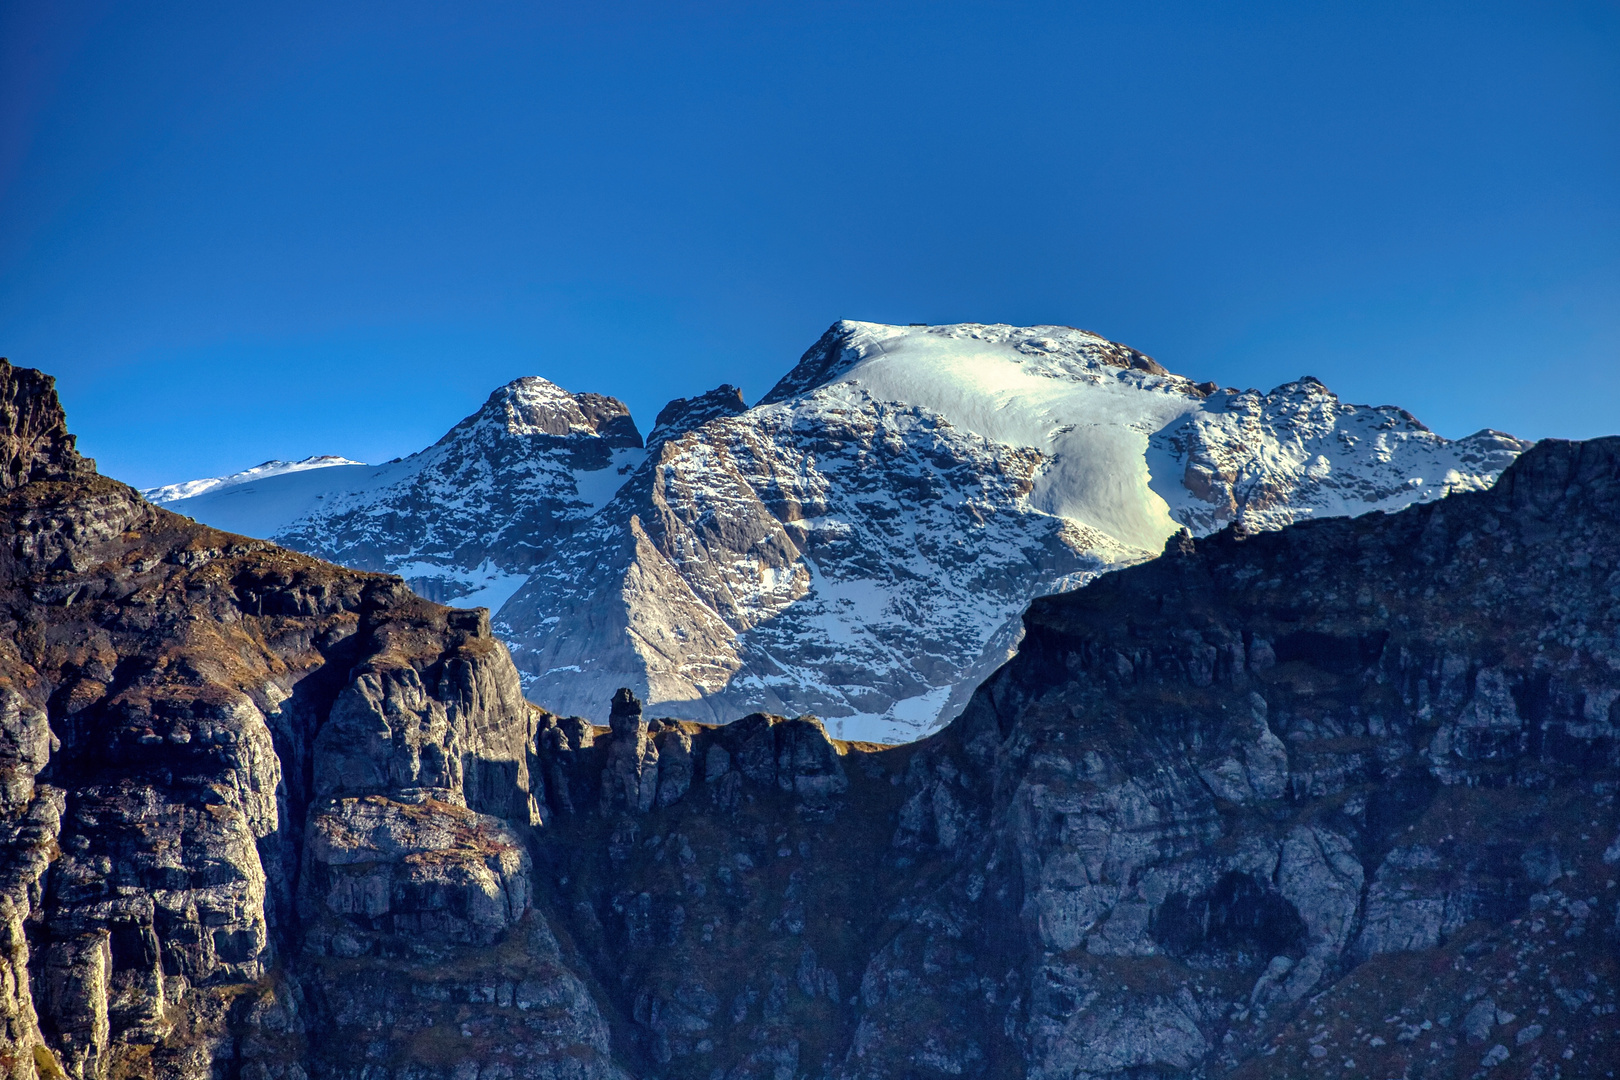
1337, 799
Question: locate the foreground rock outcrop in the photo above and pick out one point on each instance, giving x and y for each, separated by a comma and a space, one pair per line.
1333, 800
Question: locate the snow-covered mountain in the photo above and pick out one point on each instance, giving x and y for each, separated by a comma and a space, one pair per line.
862, 542
464, 521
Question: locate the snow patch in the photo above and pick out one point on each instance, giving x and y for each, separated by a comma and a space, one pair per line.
596, 487
265, 506
495, 591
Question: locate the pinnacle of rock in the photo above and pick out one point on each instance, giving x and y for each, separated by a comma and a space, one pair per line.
34, 439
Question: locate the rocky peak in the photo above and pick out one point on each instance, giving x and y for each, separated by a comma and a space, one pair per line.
684, 414
34, 439
819, 363
610, 418
532, 406
624, 715
465, 519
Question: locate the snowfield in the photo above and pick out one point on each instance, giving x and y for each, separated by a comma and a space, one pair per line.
862, 542
190, 489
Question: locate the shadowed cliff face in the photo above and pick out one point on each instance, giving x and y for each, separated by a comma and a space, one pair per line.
1337, 800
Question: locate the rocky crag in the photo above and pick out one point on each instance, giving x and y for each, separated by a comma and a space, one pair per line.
1332, 800
862, 542
243, 793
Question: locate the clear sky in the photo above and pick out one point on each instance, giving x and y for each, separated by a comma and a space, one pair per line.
244, 231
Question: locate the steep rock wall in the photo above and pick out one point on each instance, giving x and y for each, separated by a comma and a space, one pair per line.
1337, 799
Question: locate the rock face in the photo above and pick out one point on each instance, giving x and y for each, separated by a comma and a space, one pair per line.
1338, 798
1334, 799
862, 543
34, 439
1329, 799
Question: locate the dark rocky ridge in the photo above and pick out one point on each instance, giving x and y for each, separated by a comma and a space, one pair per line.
685, 414
1337, 800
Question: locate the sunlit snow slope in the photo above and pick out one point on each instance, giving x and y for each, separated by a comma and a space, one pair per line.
862, 542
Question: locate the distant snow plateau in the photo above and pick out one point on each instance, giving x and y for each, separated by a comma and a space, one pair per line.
190, 489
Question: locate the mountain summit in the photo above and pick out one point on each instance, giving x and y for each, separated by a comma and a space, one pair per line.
860, 543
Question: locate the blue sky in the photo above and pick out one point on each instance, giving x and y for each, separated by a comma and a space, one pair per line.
237, 232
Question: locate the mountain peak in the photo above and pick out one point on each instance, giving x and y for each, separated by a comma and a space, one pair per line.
532, 406
848, 344
860, 547
684, 414
819, 364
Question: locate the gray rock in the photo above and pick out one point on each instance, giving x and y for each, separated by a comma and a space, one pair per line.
1479, 1020
630, 777
375, 865
1320, 875
1541, 863
1406, 905
674, 754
